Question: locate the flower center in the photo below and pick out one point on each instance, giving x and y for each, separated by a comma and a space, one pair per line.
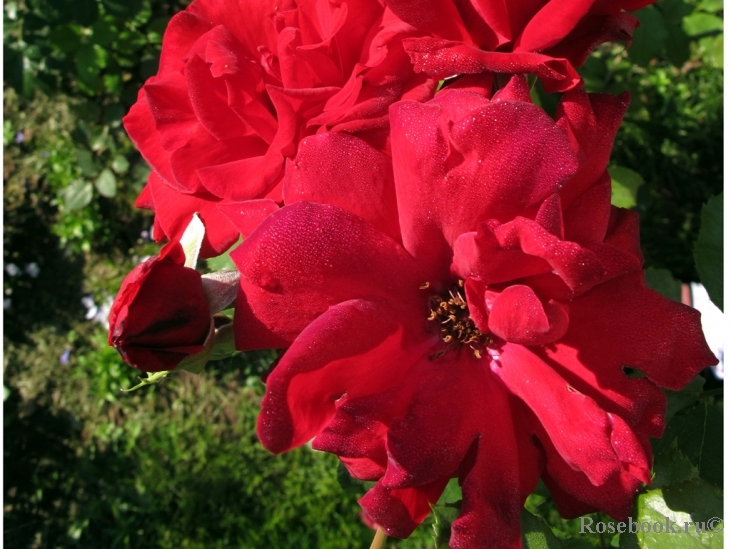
451, 312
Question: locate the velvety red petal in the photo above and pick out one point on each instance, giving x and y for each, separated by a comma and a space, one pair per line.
592, 31
169, 104
250, 35
307, 257
575, 495
592, 120
246, 216
209, 99
140, 126
551, 24
344, 171
445, 58
586, 219
580, 430
578, 267
518, 316
356, 348
398, 512
437, 430
174, 210
439, 17
639, 328
453, 172
491, 480
595, 373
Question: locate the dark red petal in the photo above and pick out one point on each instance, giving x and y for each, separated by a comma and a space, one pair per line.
592, 121
491, 479
478, 254
246, 216
437, 430
174, 210
639, 328
344, 171
140, 126
444, 58
575, 495
398, 512
580, 430
594, 30
209, 99
518, 316
591, 370
356, 348
250, 35
551, 24
439, 17
307, 257
453, 171
169, 104
587, 218
578, 267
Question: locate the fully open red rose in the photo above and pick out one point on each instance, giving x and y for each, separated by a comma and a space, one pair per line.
160, 315
544, 37
241, 83
483, 335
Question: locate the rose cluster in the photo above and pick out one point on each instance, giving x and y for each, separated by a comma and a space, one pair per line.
438, 258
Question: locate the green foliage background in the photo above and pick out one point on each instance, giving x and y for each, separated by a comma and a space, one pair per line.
178, 465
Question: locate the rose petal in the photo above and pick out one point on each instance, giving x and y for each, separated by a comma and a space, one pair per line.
356, 348
307, 257
518, 316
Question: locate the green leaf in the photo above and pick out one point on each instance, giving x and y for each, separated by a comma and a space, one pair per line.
90, 60
86, 162
711, 49
701, 23
649, 38
536, 533
677, 400
106, 184
65, 38
77, 195
673, 11
120, 164
708, 250
625, 183
444, 516
711, 6
662, 281
697, 433
672, 467
677, 46
680, 507
452, 493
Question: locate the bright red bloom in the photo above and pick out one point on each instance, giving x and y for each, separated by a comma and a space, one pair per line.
241, 83
544, 37
161, 314
508, 366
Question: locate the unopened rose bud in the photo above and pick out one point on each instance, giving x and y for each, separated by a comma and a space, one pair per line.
161, 315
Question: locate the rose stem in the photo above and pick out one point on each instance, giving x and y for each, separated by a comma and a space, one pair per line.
379, 539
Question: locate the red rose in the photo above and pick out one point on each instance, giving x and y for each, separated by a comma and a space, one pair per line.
241, 83
160, 315
487, 339
544, 37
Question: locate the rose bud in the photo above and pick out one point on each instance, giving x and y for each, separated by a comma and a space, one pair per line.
162, 313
